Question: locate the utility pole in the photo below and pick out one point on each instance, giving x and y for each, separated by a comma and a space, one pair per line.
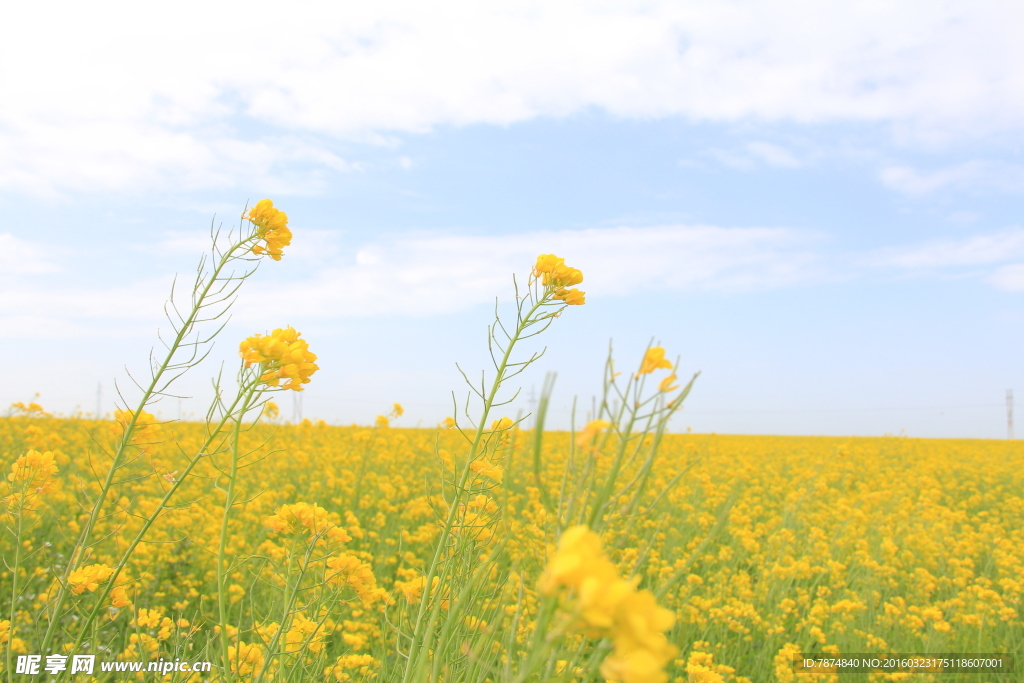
1009, 413
99, 399
297, 407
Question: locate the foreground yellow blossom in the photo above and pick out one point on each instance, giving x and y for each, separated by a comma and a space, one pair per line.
667, 384
590, 431
272, 227
281, 356
606, 604
654, 359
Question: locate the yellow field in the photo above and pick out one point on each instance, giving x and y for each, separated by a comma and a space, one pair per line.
824, 545
239, 550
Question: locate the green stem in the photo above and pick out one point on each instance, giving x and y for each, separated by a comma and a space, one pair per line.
185, 329
229, 501
14, 583
420, 628
291, 592
108, 587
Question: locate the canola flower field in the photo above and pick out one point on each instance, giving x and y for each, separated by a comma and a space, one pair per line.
486, 549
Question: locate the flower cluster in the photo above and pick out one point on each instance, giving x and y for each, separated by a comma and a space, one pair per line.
305, 633
281, 356
654, 359
245, 660
552, 272
88, 579
119, 598
608, 605
271, 227
31, 476
585, 437
362, 665
488, 469
147, 426
350, 570
304, 517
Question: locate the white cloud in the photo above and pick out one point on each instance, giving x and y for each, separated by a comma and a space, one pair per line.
1010, 278
752, 155
773, 155
979, 250
135, 301
427, 274
119, 95
964, 217
971, 175
43, 327
22, 257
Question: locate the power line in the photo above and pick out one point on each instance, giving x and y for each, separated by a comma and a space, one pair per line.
1009, 413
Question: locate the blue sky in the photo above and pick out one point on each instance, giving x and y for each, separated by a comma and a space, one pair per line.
818, 207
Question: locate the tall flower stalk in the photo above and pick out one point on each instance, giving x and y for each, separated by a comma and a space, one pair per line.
549, 291
276, 362
262, 231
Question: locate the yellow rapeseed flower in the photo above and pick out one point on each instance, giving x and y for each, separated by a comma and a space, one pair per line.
281, 356
147, 618
304, 517
702, 674
489, 470
362, 665
572, 297
245, 660
147, 426
271, 227
611, 606
667, 385
88, 579
502, 424
654, 359
592, 429
119, 598
552, 272
305, 633
31, 476
350, 570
